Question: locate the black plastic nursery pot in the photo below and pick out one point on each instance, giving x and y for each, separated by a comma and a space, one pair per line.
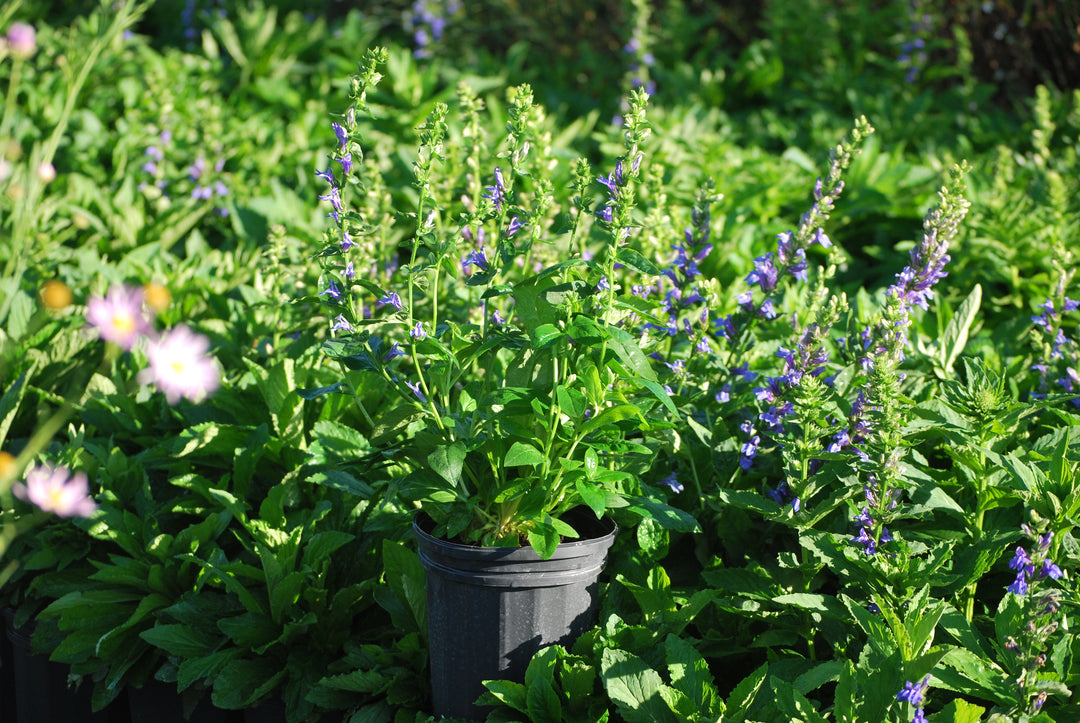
489, 609
42, 693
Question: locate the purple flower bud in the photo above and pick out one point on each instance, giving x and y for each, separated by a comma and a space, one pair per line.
342, 135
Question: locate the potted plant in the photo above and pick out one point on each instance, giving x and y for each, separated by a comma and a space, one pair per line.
516, 409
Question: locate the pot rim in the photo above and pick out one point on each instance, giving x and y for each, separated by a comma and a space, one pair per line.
423, 524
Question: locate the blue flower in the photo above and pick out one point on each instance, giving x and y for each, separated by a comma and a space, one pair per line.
415, 387
514, 226
341, 133
477, 258
914, 693
1049, 569
673, 483
393, 299
417, 332
497, 191
393, 353
341, 324
332, 291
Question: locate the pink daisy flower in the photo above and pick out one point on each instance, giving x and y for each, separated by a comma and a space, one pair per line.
180, 366
119, 317
56, 490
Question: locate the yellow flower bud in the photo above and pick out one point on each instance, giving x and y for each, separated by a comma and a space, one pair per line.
55, 295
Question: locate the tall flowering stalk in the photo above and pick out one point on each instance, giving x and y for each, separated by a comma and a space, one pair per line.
638, 50
765, 281
617, 214
1057, 353
886, 408
1038, 623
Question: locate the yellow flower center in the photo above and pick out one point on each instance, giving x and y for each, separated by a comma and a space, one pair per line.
124, 323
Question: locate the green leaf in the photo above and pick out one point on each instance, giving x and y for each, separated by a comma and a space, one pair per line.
180, 640
792, 703
405, 575
690, 673
634, 687
628, 351
508, 693
358, 681
523, 454
955, 336
742, 697
959, 710
628, 257
544, 335
543, 702
335, 388
9, 403
448, 461
339, 479
592, 495
571, 401
670, 518
966, 672
610, 415
824, 604
206, 668
544, 538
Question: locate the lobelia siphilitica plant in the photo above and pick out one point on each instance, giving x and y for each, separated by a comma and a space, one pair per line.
1040, 604
512, 392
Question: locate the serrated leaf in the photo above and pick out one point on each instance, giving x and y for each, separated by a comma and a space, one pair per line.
742, 697
508, 693
690, 673
543, 702
358, 681
634, 687
180, 640
9, 403
792, 703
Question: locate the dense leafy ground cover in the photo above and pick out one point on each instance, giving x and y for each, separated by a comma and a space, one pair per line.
837, 267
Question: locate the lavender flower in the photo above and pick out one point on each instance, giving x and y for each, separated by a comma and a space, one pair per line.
476, 258
57, 490
748, 451
415, 387
497, 192
21, 40
341, 324
180, 366
418, 332
119, 317
514, 226
392, 353
332, 291
392, 298
1026, 565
